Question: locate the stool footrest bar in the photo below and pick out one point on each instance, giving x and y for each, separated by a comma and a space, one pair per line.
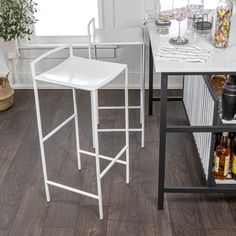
102, 157
72, 189
168, 99
58, 127
113, 161
118, 107
120, 130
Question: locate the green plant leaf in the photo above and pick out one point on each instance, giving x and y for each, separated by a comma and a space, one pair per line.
16, 18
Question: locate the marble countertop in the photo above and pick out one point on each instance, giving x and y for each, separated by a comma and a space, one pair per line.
222, 60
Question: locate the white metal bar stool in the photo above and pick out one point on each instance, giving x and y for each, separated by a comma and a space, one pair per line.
86, 74
122, 37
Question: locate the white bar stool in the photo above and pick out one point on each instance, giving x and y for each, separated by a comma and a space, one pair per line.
86, 74
122, 37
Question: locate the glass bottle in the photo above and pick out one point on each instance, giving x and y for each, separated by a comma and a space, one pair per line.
223, 15
231, 137
217, 141
233, 158
222, 158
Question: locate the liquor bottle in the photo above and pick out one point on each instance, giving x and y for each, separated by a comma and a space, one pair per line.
231, 137
233, 158
217, 143
217, 140
222, 158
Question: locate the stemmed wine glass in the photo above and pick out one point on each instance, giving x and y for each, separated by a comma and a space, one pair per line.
179, 13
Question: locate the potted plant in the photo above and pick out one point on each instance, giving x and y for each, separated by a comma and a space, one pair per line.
16, 19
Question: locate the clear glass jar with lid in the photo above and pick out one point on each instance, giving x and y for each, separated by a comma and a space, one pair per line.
223, 15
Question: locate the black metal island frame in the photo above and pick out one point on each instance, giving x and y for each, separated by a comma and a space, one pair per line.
223, 61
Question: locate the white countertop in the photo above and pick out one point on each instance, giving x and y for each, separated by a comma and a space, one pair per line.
222, 60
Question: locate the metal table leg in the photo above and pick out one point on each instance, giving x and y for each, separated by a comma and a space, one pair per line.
142, 92
162, 143
150, 78
151, 98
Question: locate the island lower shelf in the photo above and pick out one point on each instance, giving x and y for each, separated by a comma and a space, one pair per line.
201, 105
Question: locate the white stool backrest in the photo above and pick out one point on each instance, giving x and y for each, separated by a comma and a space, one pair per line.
46, 54
91, 35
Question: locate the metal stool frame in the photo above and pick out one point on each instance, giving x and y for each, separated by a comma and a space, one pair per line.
43, 139
93, 45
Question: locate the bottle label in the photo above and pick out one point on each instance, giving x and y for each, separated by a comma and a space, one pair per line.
226, 168
216, 164
234, 164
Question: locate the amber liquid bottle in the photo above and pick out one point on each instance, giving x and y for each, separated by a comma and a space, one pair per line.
222, 158
233, 158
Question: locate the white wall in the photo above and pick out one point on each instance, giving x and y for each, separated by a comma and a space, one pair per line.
234, 9
3, 64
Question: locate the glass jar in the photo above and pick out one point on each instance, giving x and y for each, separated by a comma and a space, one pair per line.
217, 83
224, 11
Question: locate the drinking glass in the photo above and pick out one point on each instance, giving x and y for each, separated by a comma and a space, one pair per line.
179, 13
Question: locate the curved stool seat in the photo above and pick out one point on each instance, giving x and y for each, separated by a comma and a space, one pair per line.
82, 73
85, 74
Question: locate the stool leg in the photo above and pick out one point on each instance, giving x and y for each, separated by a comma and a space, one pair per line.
95, 58
95, 134
45, 177
92, 117
93, 113
127, 124
97, 110
76, 129
142, 97
141, 82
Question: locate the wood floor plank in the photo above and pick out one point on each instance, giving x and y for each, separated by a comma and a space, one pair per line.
231, 200
88, 222
19, 173
10, 140
216, 212
186, 221
13, 128
61, 214
17, 178
217, 232
125, 227
33, 209
57, 232
151, 221
122, 198
182, 169
37, 231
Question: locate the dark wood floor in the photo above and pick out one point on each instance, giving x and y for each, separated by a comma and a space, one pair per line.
128, 209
